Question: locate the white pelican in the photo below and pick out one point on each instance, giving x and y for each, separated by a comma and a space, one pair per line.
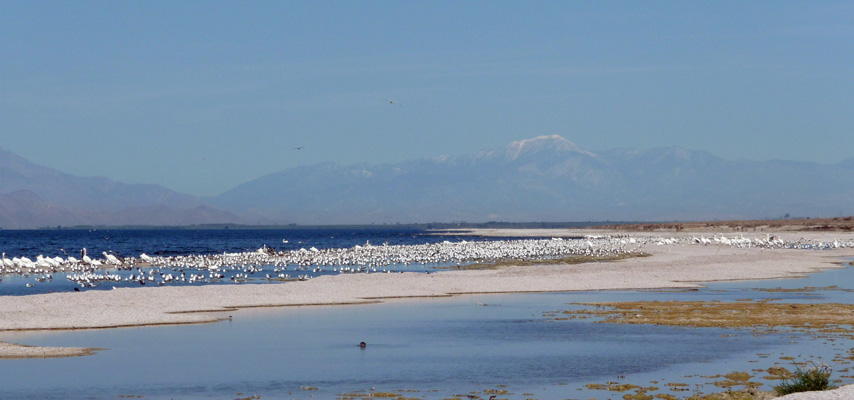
111, 259
27, 263
42, 262
85, 257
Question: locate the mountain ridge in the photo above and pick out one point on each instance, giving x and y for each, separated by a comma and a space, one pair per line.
545, 178
34, 196
550, 178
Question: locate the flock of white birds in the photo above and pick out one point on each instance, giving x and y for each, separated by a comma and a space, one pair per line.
301, 264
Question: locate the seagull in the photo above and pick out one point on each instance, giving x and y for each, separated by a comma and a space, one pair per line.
299, 148
393, 102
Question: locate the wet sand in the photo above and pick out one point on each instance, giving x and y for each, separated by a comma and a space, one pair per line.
670, 266
12, 350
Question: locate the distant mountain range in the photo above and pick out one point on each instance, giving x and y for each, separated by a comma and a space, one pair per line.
34, 196
547, 178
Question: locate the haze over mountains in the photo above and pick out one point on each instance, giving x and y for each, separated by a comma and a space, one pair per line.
34, 196
547, 178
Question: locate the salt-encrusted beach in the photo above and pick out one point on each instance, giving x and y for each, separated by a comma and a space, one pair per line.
680, 264
842, 393
669, 266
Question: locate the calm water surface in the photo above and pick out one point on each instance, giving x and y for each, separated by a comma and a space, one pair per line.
434, 347
172, 242
168, 242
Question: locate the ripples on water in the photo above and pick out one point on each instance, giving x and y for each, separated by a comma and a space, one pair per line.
166, 242
436, 347
451, 346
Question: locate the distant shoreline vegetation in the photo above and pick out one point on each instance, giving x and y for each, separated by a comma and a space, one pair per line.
790, 223
397, 226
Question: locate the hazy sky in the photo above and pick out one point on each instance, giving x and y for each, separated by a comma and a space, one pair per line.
202, 95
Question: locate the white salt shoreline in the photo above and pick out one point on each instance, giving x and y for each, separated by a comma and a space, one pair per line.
670, 266
841, 393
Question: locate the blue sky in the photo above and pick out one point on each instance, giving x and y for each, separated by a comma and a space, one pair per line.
201, 96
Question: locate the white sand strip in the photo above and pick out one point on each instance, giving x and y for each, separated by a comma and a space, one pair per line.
671, 266
11, 350
842, 393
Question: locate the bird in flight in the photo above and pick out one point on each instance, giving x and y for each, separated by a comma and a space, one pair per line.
299, 148
393, 102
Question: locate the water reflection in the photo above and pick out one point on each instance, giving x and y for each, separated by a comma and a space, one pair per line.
438, 347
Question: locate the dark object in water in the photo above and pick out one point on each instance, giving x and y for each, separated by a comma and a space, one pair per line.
362, 345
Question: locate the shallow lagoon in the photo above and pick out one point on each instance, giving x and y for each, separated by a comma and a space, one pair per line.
422, 348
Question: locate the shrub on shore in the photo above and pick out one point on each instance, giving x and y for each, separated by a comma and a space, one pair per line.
813, 379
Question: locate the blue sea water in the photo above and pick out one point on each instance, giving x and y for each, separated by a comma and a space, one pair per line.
438, 348
175, 242
169, 242
420, 348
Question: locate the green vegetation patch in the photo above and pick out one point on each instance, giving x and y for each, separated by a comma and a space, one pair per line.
778, 373
763, 316
806, 289
806, 380
573, 259
373, 395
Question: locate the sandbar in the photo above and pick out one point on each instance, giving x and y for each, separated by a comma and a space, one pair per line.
13, 350
670, 266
